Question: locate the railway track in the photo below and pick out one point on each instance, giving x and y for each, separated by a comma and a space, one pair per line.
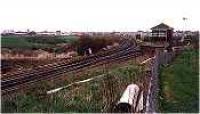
125, 50
124, 45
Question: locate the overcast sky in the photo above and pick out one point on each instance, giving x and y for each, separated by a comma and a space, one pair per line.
98, 15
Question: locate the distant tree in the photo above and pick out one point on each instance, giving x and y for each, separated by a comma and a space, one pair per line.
32, 33
83, 44
98, 44
95, 43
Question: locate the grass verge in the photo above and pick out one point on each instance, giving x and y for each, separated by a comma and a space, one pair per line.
179, 84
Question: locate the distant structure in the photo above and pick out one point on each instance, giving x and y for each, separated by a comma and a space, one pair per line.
160, 39
161, 33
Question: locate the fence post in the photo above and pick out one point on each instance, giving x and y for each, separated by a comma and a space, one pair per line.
152, 97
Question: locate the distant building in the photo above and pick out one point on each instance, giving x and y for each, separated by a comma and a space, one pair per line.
20, 33
142, 35
161, 32
46, 33
58, 32
77, 33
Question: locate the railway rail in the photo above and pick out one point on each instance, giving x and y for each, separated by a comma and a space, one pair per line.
18, 79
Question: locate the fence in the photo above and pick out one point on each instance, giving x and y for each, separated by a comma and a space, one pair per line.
161, 58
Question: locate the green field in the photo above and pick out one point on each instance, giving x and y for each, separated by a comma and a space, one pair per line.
34, 42
179, 84
21, 43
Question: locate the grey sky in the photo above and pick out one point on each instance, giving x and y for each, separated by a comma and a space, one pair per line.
97, 15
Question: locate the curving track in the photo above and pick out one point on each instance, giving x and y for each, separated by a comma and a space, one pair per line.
16, 81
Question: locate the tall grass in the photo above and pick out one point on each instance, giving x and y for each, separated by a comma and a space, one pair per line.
96, 96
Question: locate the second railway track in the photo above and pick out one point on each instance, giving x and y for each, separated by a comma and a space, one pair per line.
55, 70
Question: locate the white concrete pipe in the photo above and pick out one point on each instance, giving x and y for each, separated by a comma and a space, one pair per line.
132, 97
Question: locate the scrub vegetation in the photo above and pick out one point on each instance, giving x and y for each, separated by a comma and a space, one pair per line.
99, 95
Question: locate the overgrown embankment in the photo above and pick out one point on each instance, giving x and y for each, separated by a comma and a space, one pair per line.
98, 95
179, 84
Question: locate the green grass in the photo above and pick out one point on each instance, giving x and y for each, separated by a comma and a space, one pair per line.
180, 84
95, 96
11, 42
35, 42
69, 39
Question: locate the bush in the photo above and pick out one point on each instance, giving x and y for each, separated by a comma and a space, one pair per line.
95, 43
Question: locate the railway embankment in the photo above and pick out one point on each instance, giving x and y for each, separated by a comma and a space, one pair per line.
99, 95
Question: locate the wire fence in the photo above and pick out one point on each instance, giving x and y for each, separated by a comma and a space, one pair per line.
161, 58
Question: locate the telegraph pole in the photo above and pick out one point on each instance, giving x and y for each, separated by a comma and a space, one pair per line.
184, 27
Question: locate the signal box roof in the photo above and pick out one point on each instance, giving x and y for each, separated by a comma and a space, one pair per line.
162, 26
